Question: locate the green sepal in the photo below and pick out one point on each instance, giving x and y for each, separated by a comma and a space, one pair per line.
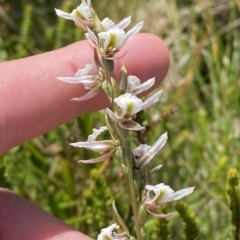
107, 88
118, 220
123, 133
110, 126
109, 66
123, 79
142, 215
119, 154
96, 58
125, 169
115, 92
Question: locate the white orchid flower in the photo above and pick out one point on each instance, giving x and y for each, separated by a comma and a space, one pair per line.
90, 82
82, 15
158, 195
114, 38
105, 147
127, 123
129, 105
109, 233
144, 153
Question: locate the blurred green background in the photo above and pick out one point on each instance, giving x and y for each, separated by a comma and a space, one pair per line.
200, 111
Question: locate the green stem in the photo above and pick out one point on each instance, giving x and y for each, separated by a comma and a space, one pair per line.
126, 152
127, 160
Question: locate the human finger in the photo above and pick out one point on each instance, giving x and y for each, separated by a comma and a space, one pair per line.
33, 102
22, 220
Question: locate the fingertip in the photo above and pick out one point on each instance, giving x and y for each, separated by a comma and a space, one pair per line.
20, 219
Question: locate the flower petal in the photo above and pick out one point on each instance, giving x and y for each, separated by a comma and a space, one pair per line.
183, 193
62, 14
131, 125
132, 83
110, 113
159, 214
108, 24
91, 36
80, 22
159, 144
144, 160
144, 86
75, 80
124, 23
99, 146
85, 71
156, 168
94, 92
148, 155
152, 100
99, 159
131, 33
96, 133
141, 150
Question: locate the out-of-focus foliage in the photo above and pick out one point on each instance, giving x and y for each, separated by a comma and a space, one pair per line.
233, 191
200, 111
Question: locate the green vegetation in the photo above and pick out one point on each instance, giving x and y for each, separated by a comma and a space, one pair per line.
200, 112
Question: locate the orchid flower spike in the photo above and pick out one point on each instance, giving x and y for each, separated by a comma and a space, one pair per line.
105, 147
158, 195
82, 15
90, 82
110, 233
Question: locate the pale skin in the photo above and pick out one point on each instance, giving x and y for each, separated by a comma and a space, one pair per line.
33, 102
